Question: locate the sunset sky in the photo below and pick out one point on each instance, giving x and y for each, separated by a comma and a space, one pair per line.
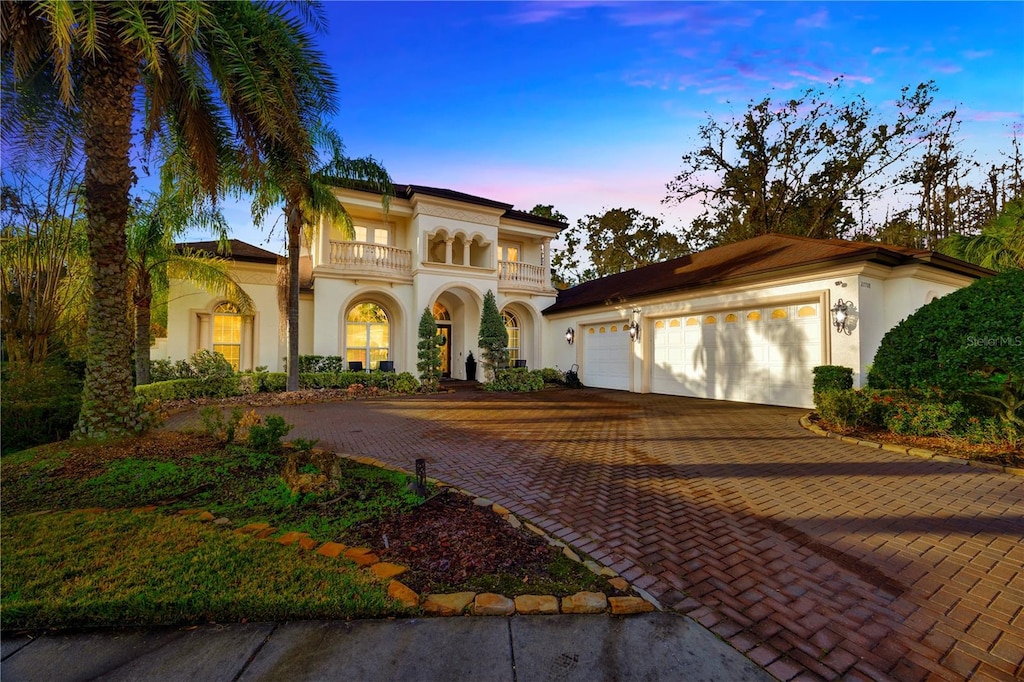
589, 106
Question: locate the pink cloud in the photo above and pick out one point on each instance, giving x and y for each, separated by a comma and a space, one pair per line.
702, 18
976, 54
948, 67
817, 20
540, 12
990, 116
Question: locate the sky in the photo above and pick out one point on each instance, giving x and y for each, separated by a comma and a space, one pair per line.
589, 106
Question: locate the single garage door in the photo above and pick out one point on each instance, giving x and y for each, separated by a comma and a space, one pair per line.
762, 355
607, 356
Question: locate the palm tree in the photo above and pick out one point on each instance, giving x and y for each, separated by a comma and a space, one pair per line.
154, 259
204, 68
1000, 244
304, 185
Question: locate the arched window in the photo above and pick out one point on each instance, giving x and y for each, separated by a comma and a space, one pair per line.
227, 333
512, 327
367, 335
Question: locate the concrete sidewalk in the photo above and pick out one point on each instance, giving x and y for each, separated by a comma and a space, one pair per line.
656, 646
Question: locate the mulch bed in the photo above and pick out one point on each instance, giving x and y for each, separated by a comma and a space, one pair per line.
951, 447
448, 539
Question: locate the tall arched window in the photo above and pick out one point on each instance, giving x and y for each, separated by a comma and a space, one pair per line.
512, 327
367, 335
227, 333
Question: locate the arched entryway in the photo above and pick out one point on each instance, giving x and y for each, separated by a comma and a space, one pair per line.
456, 309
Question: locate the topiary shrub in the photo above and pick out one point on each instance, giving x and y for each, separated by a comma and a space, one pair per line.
428, 351
968, 342
844, 409
493, 337
832, 378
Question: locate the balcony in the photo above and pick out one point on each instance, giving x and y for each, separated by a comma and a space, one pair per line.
522, 276
371, 260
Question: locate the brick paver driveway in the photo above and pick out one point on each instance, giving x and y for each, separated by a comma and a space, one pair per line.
815, 557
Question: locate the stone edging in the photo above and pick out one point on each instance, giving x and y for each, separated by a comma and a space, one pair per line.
922, 453
488, 604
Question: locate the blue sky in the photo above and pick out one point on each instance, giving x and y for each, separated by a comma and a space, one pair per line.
589, 106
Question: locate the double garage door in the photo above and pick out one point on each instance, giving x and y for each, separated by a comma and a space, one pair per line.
762, 355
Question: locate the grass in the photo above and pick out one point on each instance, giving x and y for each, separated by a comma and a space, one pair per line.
64, 568
119, 568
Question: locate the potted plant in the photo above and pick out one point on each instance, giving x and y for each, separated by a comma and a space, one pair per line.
470, 367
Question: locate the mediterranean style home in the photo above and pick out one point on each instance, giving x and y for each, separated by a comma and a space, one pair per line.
747, 321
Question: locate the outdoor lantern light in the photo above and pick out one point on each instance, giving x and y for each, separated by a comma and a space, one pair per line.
634, 326
840, 316
570, 334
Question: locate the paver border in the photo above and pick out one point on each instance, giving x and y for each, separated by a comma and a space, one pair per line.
920, 453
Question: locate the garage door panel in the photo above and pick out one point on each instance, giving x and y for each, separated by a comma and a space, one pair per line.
607, 358
762, 356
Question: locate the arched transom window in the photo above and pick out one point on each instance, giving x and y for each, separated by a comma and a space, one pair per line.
512, 327
367, 335
227, 333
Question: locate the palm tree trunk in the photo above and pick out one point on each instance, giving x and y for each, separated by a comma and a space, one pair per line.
143, 305
108, 405
294, 220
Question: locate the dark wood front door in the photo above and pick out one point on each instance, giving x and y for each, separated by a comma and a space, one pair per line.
445, 330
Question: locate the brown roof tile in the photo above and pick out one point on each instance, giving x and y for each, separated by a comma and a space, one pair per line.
749, 258
239, 250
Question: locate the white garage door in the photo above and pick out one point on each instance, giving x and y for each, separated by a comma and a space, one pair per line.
762, 355
607, 356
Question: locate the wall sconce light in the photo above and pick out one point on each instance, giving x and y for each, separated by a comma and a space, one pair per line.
841, 316
634, 331
570, 335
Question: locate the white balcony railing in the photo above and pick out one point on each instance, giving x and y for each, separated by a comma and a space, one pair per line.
517, 275
366, 258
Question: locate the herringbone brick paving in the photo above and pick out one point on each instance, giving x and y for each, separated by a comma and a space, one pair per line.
818, 559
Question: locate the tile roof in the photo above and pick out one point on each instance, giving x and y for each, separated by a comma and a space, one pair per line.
239, 250
771, 253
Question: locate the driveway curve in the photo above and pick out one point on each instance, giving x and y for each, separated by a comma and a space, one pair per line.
816, 558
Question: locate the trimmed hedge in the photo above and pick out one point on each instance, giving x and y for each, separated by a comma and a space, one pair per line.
517, 379
832, 378
183, 389
273, 382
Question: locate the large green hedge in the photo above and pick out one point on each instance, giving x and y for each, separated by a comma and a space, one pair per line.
971, 340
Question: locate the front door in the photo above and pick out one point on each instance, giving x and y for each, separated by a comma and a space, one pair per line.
445, 332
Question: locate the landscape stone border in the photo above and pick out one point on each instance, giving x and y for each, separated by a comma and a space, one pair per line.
921, 453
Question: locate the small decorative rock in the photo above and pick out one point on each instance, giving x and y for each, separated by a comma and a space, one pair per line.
188, 512
585, 602
204, 516
534, 529
490, 604
308, 543
362, 556
291, 537
265, 532
482, 502
607, 572
619, 584
514, 522
222, 521
403, 594
331, 549
252, 528
498, 509
592, 566
386, 570
144, 510
447, 604
571, 555
536, 604
623, 606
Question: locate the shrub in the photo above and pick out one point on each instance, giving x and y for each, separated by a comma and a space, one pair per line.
428, 351
832, 378
322, 363
162, 370
493, 337
184, 389
517, 379
266, 437
552, 376
209, 365
912, 417
846, 409
39, 404
971, 340
274, 382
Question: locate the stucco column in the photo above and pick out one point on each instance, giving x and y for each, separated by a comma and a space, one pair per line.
448, 250
545, 257
465, 252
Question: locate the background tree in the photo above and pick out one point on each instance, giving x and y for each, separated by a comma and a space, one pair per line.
95, 57
43, 267
154, 259
1000, 244
801, 166
493, 337
428, 351
618, 240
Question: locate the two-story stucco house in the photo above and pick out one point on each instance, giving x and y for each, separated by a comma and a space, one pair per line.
362, 298
746, 321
